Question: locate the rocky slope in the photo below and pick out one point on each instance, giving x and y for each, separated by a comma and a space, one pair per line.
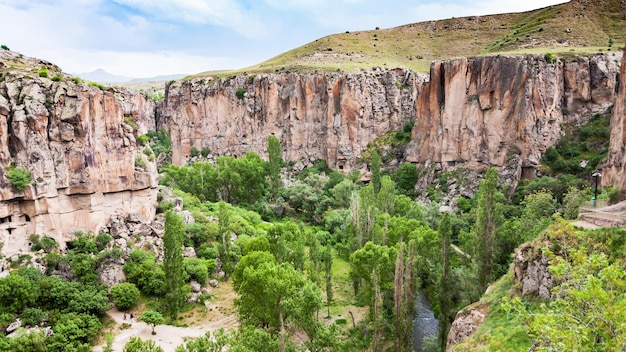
501, 111
614, 170
77, 142
332, 116
505, 111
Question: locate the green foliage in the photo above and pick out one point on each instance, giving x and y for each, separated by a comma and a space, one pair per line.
587, 144
160, 142
43, 72
196, 270
142, 270
136, 344
550, 58
152, 318
193, 152
143, 139
4, 47
173, 263
45, 243
77, 80
125, 295
406, 177
18, 177
375, 169
57, 78
240, 93
274, 163
98, 85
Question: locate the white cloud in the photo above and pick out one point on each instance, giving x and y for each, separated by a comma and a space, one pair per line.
143, 64
226, 13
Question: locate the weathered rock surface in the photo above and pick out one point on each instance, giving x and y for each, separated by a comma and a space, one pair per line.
465, 323
531, 271
328, 116
614, 170
74, 140
474, 113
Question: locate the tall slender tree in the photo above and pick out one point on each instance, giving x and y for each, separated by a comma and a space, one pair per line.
485, 249
173, 263
273, 152
445, 281
328, 265
375, 169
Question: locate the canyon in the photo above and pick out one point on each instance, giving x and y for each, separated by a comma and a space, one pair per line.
79, 141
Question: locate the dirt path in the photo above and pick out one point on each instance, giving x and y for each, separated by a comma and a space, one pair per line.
219, 314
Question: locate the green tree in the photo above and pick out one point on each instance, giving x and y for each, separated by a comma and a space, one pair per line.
328, 265
273, 152
406, 178
375, 169
152, 318
273, 295
173, 263
196, 269
18, 177
444, 294
136, 344
125, 295
487, 221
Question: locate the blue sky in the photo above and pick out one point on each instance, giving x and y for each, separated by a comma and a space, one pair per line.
143, 38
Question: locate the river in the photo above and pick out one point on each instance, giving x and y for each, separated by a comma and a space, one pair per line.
425, 326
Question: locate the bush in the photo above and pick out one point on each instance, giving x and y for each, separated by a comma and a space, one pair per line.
240, 93
43, 72
18, 177
550, 58
125, 295
143, 139
57, 78
196, 270
4, 47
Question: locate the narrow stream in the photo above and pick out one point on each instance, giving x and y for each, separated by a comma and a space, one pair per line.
425, 326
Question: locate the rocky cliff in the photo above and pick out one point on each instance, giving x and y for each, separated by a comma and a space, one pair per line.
328, 116
78, 143
614, 170
488, 111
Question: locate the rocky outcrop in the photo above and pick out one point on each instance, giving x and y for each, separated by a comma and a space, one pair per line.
531, 271
328, 116
475, 113
614, 170
78, 142
465, 324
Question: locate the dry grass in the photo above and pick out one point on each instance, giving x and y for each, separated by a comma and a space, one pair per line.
558, 29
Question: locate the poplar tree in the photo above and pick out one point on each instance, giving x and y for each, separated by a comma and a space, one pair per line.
173, 263
445, 281
485, 248
375, 169
328, 265
273, 152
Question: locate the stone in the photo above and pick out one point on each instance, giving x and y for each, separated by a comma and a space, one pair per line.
195, 286
111, 274
531, 271
213, 282
189, 252
465, 324
14, 325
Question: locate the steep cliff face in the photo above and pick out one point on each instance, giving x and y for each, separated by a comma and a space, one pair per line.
74, 141
332, 117
476, 113
614, 170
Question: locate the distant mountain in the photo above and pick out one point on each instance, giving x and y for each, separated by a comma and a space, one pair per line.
103, 76
159, 78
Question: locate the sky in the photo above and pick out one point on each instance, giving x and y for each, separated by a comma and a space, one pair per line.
146, 38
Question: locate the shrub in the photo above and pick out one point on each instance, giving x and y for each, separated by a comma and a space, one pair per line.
4, 47
125, 295
77, 80
550, 58
18, 177
143, 139
240, 93
94, 84
139, 163
43, 72
194, 152
205, 152
57, 78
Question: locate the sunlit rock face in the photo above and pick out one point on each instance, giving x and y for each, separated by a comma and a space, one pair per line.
327, 116
79, 146
475, 113
614, 170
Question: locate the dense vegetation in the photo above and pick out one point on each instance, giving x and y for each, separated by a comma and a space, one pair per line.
306, 248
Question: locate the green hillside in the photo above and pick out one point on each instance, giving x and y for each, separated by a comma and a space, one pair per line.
575, 27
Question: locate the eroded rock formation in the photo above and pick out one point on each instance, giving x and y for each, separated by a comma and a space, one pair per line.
476, 113
328, 116
614, 170
77, 142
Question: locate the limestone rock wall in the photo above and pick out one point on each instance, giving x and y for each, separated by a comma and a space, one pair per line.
329, 116
74, 140
614, 170
474, 113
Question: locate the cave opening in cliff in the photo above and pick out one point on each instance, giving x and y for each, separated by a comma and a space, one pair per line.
26, 218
